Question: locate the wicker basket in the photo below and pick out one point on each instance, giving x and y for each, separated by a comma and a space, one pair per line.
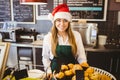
101, 71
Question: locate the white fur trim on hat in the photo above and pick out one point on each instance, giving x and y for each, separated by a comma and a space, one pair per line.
64, 15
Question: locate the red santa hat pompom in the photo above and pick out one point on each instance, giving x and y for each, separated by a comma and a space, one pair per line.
61, 11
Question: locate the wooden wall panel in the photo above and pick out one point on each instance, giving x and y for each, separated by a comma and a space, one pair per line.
113, 5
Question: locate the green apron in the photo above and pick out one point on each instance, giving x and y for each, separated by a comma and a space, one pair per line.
64, 56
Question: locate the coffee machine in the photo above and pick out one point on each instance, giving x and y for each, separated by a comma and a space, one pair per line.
9, 31
88, 32
9, 35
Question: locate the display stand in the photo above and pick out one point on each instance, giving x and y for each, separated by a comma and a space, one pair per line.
4, 52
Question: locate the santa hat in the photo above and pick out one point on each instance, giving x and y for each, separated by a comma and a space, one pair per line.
61, 11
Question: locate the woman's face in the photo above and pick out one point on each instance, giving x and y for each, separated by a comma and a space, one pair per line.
61, 24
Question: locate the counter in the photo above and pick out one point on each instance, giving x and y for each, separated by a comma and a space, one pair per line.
101, 49
101, 57
38, 44
13, 53
25, 44
105, 58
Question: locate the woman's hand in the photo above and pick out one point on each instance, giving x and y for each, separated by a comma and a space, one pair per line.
49, 76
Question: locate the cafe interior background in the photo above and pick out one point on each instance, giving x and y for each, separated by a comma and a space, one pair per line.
41, 25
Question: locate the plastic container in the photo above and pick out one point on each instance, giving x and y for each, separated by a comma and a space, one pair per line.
102, 39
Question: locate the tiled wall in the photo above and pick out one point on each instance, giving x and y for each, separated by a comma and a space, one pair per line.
111, 28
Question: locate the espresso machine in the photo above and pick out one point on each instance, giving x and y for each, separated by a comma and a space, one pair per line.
9, 31
88, 32
10, 35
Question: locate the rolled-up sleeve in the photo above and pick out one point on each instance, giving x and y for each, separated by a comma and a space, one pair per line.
46, 54
81, 56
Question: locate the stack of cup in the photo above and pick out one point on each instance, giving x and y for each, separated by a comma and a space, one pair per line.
102, 39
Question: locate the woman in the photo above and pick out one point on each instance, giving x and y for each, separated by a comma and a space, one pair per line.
62, 45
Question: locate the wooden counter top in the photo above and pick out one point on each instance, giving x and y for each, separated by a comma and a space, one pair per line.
101, 49
38, 42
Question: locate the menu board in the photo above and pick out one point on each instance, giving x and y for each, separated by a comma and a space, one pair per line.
43, 10
12, 10
22, 13
91, 10
5, 10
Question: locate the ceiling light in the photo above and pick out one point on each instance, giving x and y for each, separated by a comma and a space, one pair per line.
33, 2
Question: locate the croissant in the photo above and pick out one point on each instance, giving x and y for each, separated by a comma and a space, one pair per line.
74, 77
76, 67
89, 70
64, 67
70, 65
84, 64
68, 72
60, 75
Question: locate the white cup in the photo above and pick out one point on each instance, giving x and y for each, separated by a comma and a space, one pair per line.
102, 39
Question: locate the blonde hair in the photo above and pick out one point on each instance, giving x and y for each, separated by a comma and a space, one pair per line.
54, 39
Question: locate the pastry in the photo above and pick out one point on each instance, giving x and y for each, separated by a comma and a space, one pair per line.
70, 65
59, 75
64, 67
84, 64
76, 67
73, 78
68, 72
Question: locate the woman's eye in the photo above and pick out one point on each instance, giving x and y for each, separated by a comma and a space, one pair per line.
58, 20
61, 20
65, 20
